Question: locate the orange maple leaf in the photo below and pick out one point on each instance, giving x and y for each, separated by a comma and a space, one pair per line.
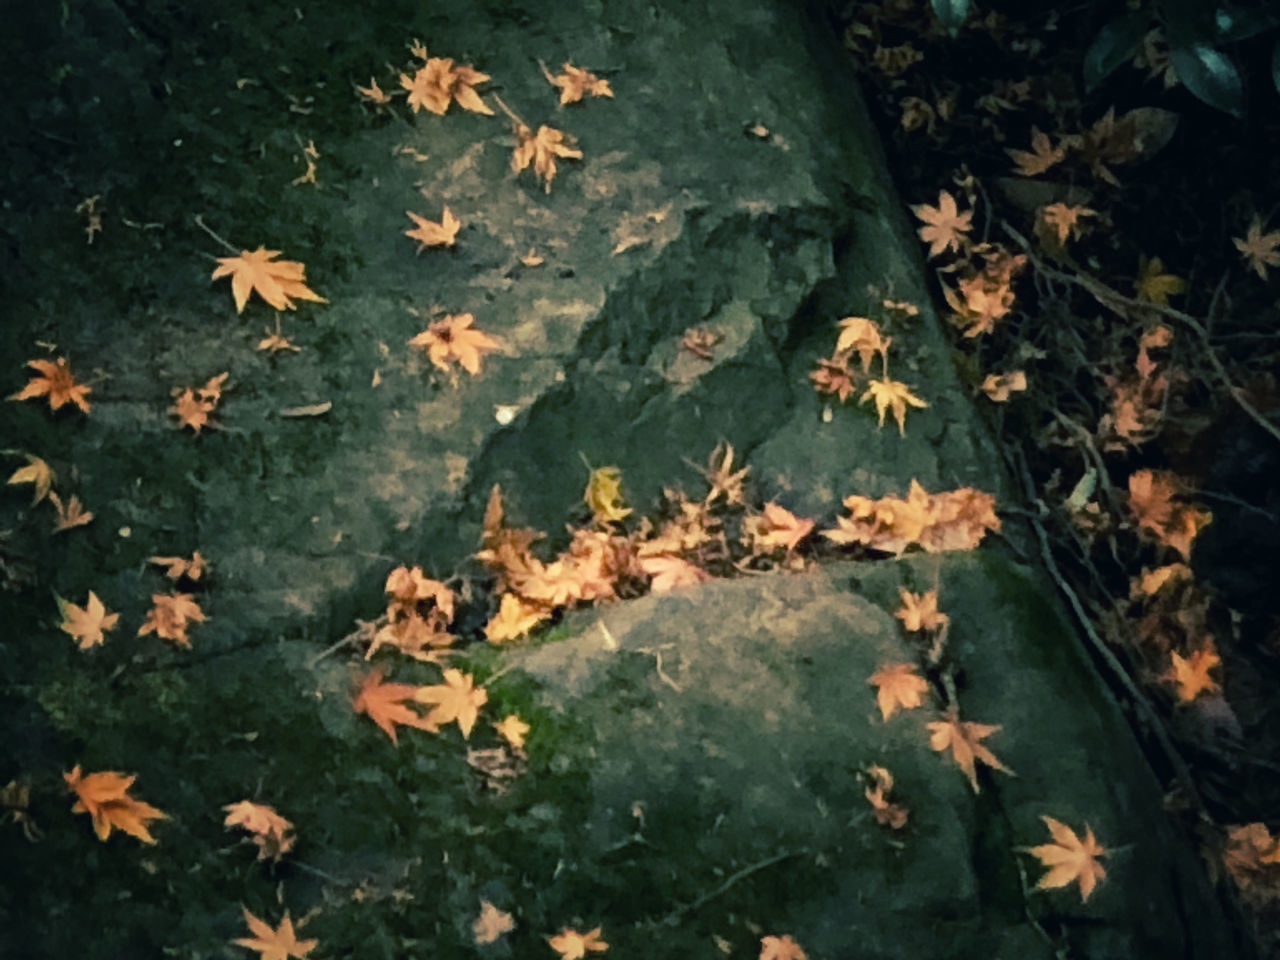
193, 405
964, 739
1192, 673
920, 611
55, 382
429, 234
373, 93
780, 948
1069, 859
899, 685
892, 394
541, 150
272, 833
1169, 522
514, 619
276, 282
279, 944
453, 338
1258, 249
170, 615
572, 945
454, 700
575, 82
513, 730
1057, 223
1252, 857
491, 924
1000, 387
384, 704
72, 514
437, 83
944, 226
87, 624
105, 797
1043, 155
178, 567
671, 572
779, 529
834, 376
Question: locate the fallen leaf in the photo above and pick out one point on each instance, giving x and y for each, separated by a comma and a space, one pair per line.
572, 945
453, 338
170, 615
920, 611
1043, 155
887, 814
73, 514
1069, 859
944, 226
277, 343
1260, 250
310, 410
56, 382
37, 473
276, 282
541, 150
533, 258
279, 944
780, 948
1000, 387
964, 740
1169, 522
438, 83
384, 704
864, 336
15, 800
430, 234
899, 686
1057, 223
1252, 857
834, 376
513, 730
575, 82
272, 833
491, 924
602, 495
514, 619
105, 797
86, 624
373, 93
1191, 675
1154, 285
454, 700
671, 573
179, 567
723, 479
701, 342
779, 529
891, 394
193, 405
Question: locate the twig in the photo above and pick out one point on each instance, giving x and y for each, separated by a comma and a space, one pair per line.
508, 111
1111, 298
351, 637
675, 915
205, 227
656, 653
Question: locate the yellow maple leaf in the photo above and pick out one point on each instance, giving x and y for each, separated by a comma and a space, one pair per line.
281, 943
430, 234
777, 529
575, 82
864, 336
86, 624
454, 700
920, 611
1259, 249
56, 383
603, 493
272, 833
276, 281
541, 150
1069, 859
944, 226
1191, 674
37, 473
572, 945
72, 514
1043, 155
513, 730
1154, 285
453, 338
514, 619
892, 394
437, 83
105, 797
491, 924
964, 740
899, 685
1000, 387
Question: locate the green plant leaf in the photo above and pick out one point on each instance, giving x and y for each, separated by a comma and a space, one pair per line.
1211, 76
1233, 25
951, 14
1114, 44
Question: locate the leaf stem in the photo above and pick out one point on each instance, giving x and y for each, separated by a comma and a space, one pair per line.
199, 219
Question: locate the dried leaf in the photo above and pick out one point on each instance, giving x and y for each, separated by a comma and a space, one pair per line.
1069, 859
384, 704
513, 730
575, 82
453, 338
105, 797
1260, 250
272, 833
999, 388
279, 944
572, 945
1042, 157
89, 623
437, 83
277, 282
455, 700
920, 611
514, 619
603, 495
780, 948
964, 740
1154, 285
170, 615
73, 514
56, 382
491, 924
37, 473
1191, 675
430, 234
541, 150
944, 226
899, 686
892, 394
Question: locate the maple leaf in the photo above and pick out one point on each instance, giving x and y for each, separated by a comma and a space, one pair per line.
438, 83
944, 227
86, 624
15, 799
920, 611
37, 473
514, 619
780, 948
862, 335
276, 282
272, 833
723, 479
1058, 223
779, 529
384, 704
887, 814
178, 567
701, 342
513, 730
56, 383
491, 924
1192, 673
834, 376
373, 93
279, 944
453, 338
964, 739
671, 573
1259, 249
1069, 859
1043, 155
891, 394
1154, 285
170, 615
572, 945
575, 82
455, 700
604, 490
429, 234
1000, 387
541, 150
105, 797
1251, 857
192, 406
1170, 523
72, 514
900, 685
